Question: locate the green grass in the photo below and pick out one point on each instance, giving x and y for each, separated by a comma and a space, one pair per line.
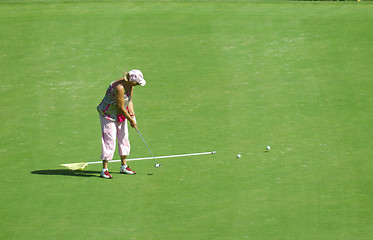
230, 77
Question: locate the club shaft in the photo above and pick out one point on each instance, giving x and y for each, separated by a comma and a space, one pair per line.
155, 162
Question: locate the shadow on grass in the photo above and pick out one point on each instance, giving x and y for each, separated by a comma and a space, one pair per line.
66, 172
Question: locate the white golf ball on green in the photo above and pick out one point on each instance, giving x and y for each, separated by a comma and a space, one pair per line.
268, 147
238, 155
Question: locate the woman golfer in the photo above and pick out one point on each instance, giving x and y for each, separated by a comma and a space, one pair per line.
116, 111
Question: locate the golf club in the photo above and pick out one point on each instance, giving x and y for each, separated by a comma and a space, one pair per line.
155, 162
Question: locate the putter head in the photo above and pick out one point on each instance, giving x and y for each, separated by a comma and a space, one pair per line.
158, 165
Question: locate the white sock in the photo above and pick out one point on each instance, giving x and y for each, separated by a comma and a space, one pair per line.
124, 166
105, 169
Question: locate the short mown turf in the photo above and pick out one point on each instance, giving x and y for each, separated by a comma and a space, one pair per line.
232, 77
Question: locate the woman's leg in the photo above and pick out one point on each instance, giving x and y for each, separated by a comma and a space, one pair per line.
124, 146
108, 138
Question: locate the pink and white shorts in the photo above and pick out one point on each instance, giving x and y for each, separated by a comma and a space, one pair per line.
112, 131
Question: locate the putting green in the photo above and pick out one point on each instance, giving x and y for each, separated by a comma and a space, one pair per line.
232, 77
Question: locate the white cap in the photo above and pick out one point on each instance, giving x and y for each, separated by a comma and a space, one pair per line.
137, 76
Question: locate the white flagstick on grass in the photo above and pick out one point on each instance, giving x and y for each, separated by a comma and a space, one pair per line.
81, 166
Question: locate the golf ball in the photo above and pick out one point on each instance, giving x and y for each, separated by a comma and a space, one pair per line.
238, 155
268, 147
157, 165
